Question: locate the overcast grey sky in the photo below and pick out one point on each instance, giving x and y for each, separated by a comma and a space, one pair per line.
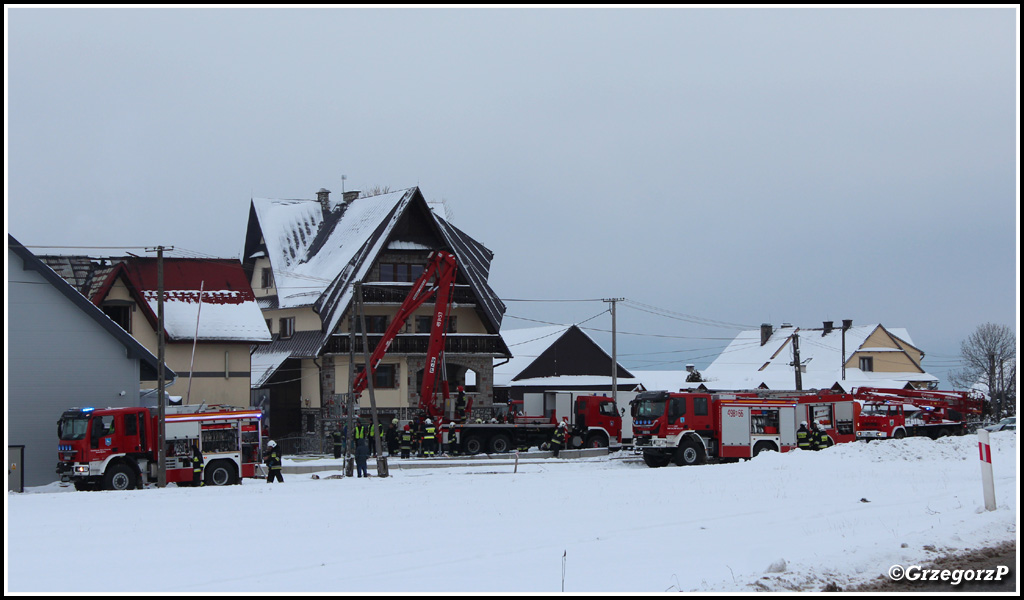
734, 165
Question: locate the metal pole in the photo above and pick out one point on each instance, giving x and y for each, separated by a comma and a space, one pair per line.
161, 466
382, 461
192, 363
615, 355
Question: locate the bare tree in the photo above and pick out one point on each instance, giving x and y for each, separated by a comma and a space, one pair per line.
989, 357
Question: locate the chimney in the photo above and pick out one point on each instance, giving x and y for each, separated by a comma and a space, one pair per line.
690, 368
847, 323
348, 197
827, 328
323, 197
766, 332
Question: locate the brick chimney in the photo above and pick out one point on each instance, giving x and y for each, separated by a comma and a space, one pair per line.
348, 197
323, 197
766, 332
827, 328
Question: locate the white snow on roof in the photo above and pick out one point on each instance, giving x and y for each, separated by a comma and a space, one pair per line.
290, 228
222, 316
263, 365
746, 364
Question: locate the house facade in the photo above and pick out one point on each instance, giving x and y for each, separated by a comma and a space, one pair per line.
830, 357
211, 318
304, 258
64, 352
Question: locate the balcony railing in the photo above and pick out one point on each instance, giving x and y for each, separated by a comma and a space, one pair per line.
417, 344
395, 293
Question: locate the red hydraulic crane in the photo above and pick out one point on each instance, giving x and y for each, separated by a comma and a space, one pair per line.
437, 280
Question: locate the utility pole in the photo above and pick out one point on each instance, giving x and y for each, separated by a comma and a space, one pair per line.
615, 355
796, 360
350, 404
161, 410
382, 461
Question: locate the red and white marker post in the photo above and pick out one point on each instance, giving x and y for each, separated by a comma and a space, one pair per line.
987, 485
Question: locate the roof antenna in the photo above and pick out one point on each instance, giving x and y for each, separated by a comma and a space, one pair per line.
343, 178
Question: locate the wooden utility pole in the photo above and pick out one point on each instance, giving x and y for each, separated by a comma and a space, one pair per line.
382, 461
615, 356
161, 410
796, 361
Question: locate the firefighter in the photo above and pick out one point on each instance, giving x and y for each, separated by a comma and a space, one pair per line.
405, 441
339, 441
362, 453
273, 463
453, 442
197, 465
823, 440
558, 439
460, 404
429, 439
803, 437
392, 437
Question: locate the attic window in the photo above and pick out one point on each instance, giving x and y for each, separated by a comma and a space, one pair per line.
400, 272
867, 363
266, 278
287, 326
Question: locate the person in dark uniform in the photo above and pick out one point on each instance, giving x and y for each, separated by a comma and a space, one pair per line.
803, 437
823, 441
558, 439
405, 441
429, 439
362, 453
273, 463
339, 441
460, 405
197, 465
392, 437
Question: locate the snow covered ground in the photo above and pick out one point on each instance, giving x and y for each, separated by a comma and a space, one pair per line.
795, 521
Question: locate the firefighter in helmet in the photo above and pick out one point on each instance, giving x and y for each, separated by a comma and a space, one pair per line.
823, 441
803, 437
339, 441
273, 463
197, 465
429, 438
558, 439
405, 441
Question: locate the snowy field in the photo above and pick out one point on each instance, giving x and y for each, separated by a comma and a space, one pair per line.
795, 521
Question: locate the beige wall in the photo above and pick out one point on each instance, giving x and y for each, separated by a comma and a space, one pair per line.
386, 398
257, 278
899, 361
305, 318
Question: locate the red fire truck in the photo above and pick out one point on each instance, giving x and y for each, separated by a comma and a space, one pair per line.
116, 448
896, 413
595, 420
690, 428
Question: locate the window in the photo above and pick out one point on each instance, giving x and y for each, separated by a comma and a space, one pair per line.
400, 272
867, 363
423, 324
700, 406
120, 313
384, 376
131, 425
374, 324
451, 324
287, 327
266, 278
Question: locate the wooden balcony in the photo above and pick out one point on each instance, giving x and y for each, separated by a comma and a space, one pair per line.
417, 344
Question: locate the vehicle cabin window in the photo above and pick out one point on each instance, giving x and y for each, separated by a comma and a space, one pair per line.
676, 409
700, 407
131, 424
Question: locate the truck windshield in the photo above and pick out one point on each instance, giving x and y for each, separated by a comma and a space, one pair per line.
73, 428
608, 409
649, 409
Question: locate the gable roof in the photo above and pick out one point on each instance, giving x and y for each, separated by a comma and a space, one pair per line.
228, 312
747, 364
148, 362
564, 352
317, 256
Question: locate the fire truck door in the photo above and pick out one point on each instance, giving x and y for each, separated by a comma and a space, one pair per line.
131, 433
735, 426
787, 425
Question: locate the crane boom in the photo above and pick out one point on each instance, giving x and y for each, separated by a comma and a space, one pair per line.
437, 280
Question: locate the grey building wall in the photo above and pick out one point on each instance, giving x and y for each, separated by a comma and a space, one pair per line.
58, 357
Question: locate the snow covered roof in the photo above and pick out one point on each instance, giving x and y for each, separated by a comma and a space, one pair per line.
747, 363
317, 255
526, 345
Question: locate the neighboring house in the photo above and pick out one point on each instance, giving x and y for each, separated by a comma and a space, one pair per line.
303, 257
831, 357
556, 358
211, 318
62, 352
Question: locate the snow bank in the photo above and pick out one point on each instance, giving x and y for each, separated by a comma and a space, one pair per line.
794, 521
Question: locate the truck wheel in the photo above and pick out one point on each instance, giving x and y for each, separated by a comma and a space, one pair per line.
763, 447
689, 453
83, 485
119, 477
942, 433
656, 459
597, 440
220, 473
473, 445
899, 434
500, 444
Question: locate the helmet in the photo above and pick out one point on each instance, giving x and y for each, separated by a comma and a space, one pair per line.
407, 427
271, 444
429, 422
803, 423
394, 421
